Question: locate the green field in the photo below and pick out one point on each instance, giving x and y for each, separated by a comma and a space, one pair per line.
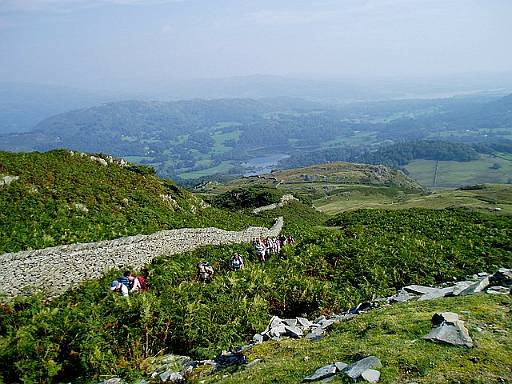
220, 138
454, 174
223, 167
355, 197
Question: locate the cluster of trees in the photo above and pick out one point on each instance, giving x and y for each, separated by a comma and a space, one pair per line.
394, 155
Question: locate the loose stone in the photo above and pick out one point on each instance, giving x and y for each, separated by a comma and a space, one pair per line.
355, 370
322, 373
371, 375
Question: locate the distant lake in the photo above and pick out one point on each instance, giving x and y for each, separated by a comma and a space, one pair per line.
263, 164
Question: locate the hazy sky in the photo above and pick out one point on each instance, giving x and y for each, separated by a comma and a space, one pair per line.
103, 43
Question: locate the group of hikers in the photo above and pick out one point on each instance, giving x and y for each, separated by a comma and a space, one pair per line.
129, 283
271, 245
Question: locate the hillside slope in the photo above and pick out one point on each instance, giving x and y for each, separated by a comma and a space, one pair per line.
61, 197
395, 335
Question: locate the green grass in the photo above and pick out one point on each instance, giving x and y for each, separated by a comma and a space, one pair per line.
454, 174
395, 335
357, 138
220, 138
137, 159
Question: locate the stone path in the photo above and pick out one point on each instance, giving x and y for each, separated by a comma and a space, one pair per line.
59, 268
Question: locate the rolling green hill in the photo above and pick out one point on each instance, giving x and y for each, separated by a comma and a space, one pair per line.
61, 198
324, 177
337, 187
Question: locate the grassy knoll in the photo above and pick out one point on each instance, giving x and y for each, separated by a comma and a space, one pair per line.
323, 174
394, 334
453, 173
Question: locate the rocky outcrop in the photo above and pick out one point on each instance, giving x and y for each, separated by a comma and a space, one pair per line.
59, 268
6, 180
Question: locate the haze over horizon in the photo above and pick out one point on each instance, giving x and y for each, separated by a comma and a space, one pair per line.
130, 45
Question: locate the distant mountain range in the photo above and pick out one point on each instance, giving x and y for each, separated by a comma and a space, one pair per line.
22, 106
200, 138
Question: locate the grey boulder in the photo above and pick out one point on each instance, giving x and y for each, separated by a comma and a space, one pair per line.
371, 375
477, 287
402, 296
293, 331
322, 373
315, 334
355, 370
502, 277
450, 330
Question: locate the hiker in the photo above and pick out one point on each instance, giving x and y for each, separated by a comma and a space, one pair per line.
117, 286
137, 283
237, 262
125, 279
260, 249
204, 271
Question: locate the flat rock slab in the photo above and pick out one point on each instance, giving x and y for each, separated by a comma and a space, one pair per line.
315, 334
278, 331
371, 375
437, 293
476, 287
498, 290
327, 323
450, 330
460, 286
322, 373
420, 289
290, 322
293, 331
402, 296
355, 370
340, 366
304, 323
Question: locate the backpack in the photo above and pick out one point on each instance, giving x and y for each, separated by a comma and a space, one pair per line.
142, 282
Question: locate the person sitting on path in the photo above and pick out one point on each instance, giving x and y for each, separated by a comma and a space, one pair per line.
125, 279
135, 283
237, 262
119, 287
